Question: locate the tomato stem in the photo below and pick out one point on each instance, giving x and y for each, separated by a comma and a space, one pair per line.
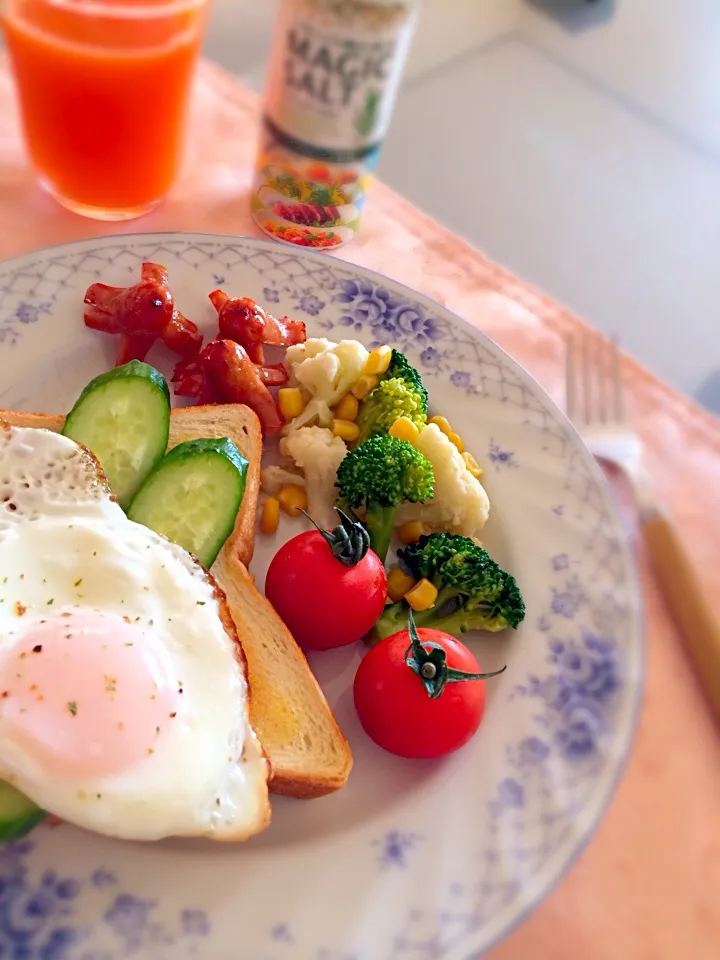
349, 541
431, 664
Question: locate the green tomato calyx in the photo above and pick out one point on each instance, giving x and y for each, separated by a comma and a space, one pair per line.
431, 664
349, 540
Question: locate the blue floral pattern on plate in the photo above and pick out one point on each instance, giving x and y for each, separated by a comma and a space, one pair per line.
38, 917
309, 303
390, 318
26, 312
431, 862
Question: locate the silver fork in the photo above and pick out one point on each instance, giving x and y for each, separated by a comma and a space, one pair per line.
595, 402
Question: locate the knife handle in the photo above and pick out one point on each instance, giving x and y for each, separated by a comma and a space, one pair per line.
695, 614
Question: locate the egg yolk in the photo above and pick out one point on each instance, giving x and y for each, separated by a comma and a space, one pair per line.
85, 694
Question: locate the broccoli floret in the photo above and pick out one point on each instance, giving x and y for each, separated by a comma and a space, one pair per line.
381, 408
474, 592
400, 393
381, 474
401, 368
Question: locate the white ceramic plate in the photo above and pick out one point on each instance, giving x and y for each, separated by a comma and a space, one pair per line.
412, 860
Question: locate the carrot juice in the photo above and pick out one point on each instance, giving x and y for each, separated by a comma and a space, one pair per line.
103, 89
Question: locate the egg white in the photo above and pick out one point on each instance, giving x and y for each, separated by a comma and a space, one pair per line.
64, 544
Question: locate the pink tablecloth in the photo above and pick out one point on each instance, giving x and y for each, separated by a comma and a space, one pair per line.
648, 885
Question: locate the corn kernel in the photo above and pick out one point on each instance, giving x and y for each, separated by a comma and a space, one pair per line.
398, 584
442, 423
473, 466
348, 408
270, 516
422, 596
363, 386
291, 402
292, 499
456, 439
405, 429
411, 531
346, 430
378, 361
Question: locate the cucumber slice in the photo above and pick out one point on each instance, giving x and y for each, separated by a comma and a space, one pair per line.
18, 814
123, 417
194, 495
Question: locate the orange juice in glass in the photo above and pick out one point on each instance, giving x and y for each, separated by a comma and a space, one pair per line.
103, 87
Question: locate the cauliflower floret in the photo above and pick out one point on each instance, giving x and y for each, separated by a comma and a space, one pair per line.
326, 370
318, 453
459, 503
302, 351
273, 478
316, 414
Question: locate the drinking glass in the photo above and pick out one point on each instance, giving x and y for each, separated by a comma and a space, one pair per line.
103, 87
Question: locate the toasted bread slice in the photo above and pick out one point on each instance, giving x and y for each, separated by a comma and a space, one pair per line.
308, 754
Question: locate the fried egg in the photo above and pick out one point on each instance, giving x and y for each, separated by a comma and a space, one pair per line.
123, 690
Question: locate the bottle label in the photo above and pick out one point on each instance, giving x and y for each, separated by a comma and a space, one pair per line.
334, 72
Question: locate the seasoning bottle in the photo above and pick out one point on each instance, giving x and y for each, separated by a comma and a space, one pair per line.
335, 66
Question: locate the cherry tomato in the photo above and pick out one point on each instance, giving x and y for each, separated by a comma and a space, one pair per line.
397, 711
324, 602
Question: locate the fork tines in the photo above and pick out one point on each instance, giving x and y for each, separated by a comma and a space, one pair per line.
593, 380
